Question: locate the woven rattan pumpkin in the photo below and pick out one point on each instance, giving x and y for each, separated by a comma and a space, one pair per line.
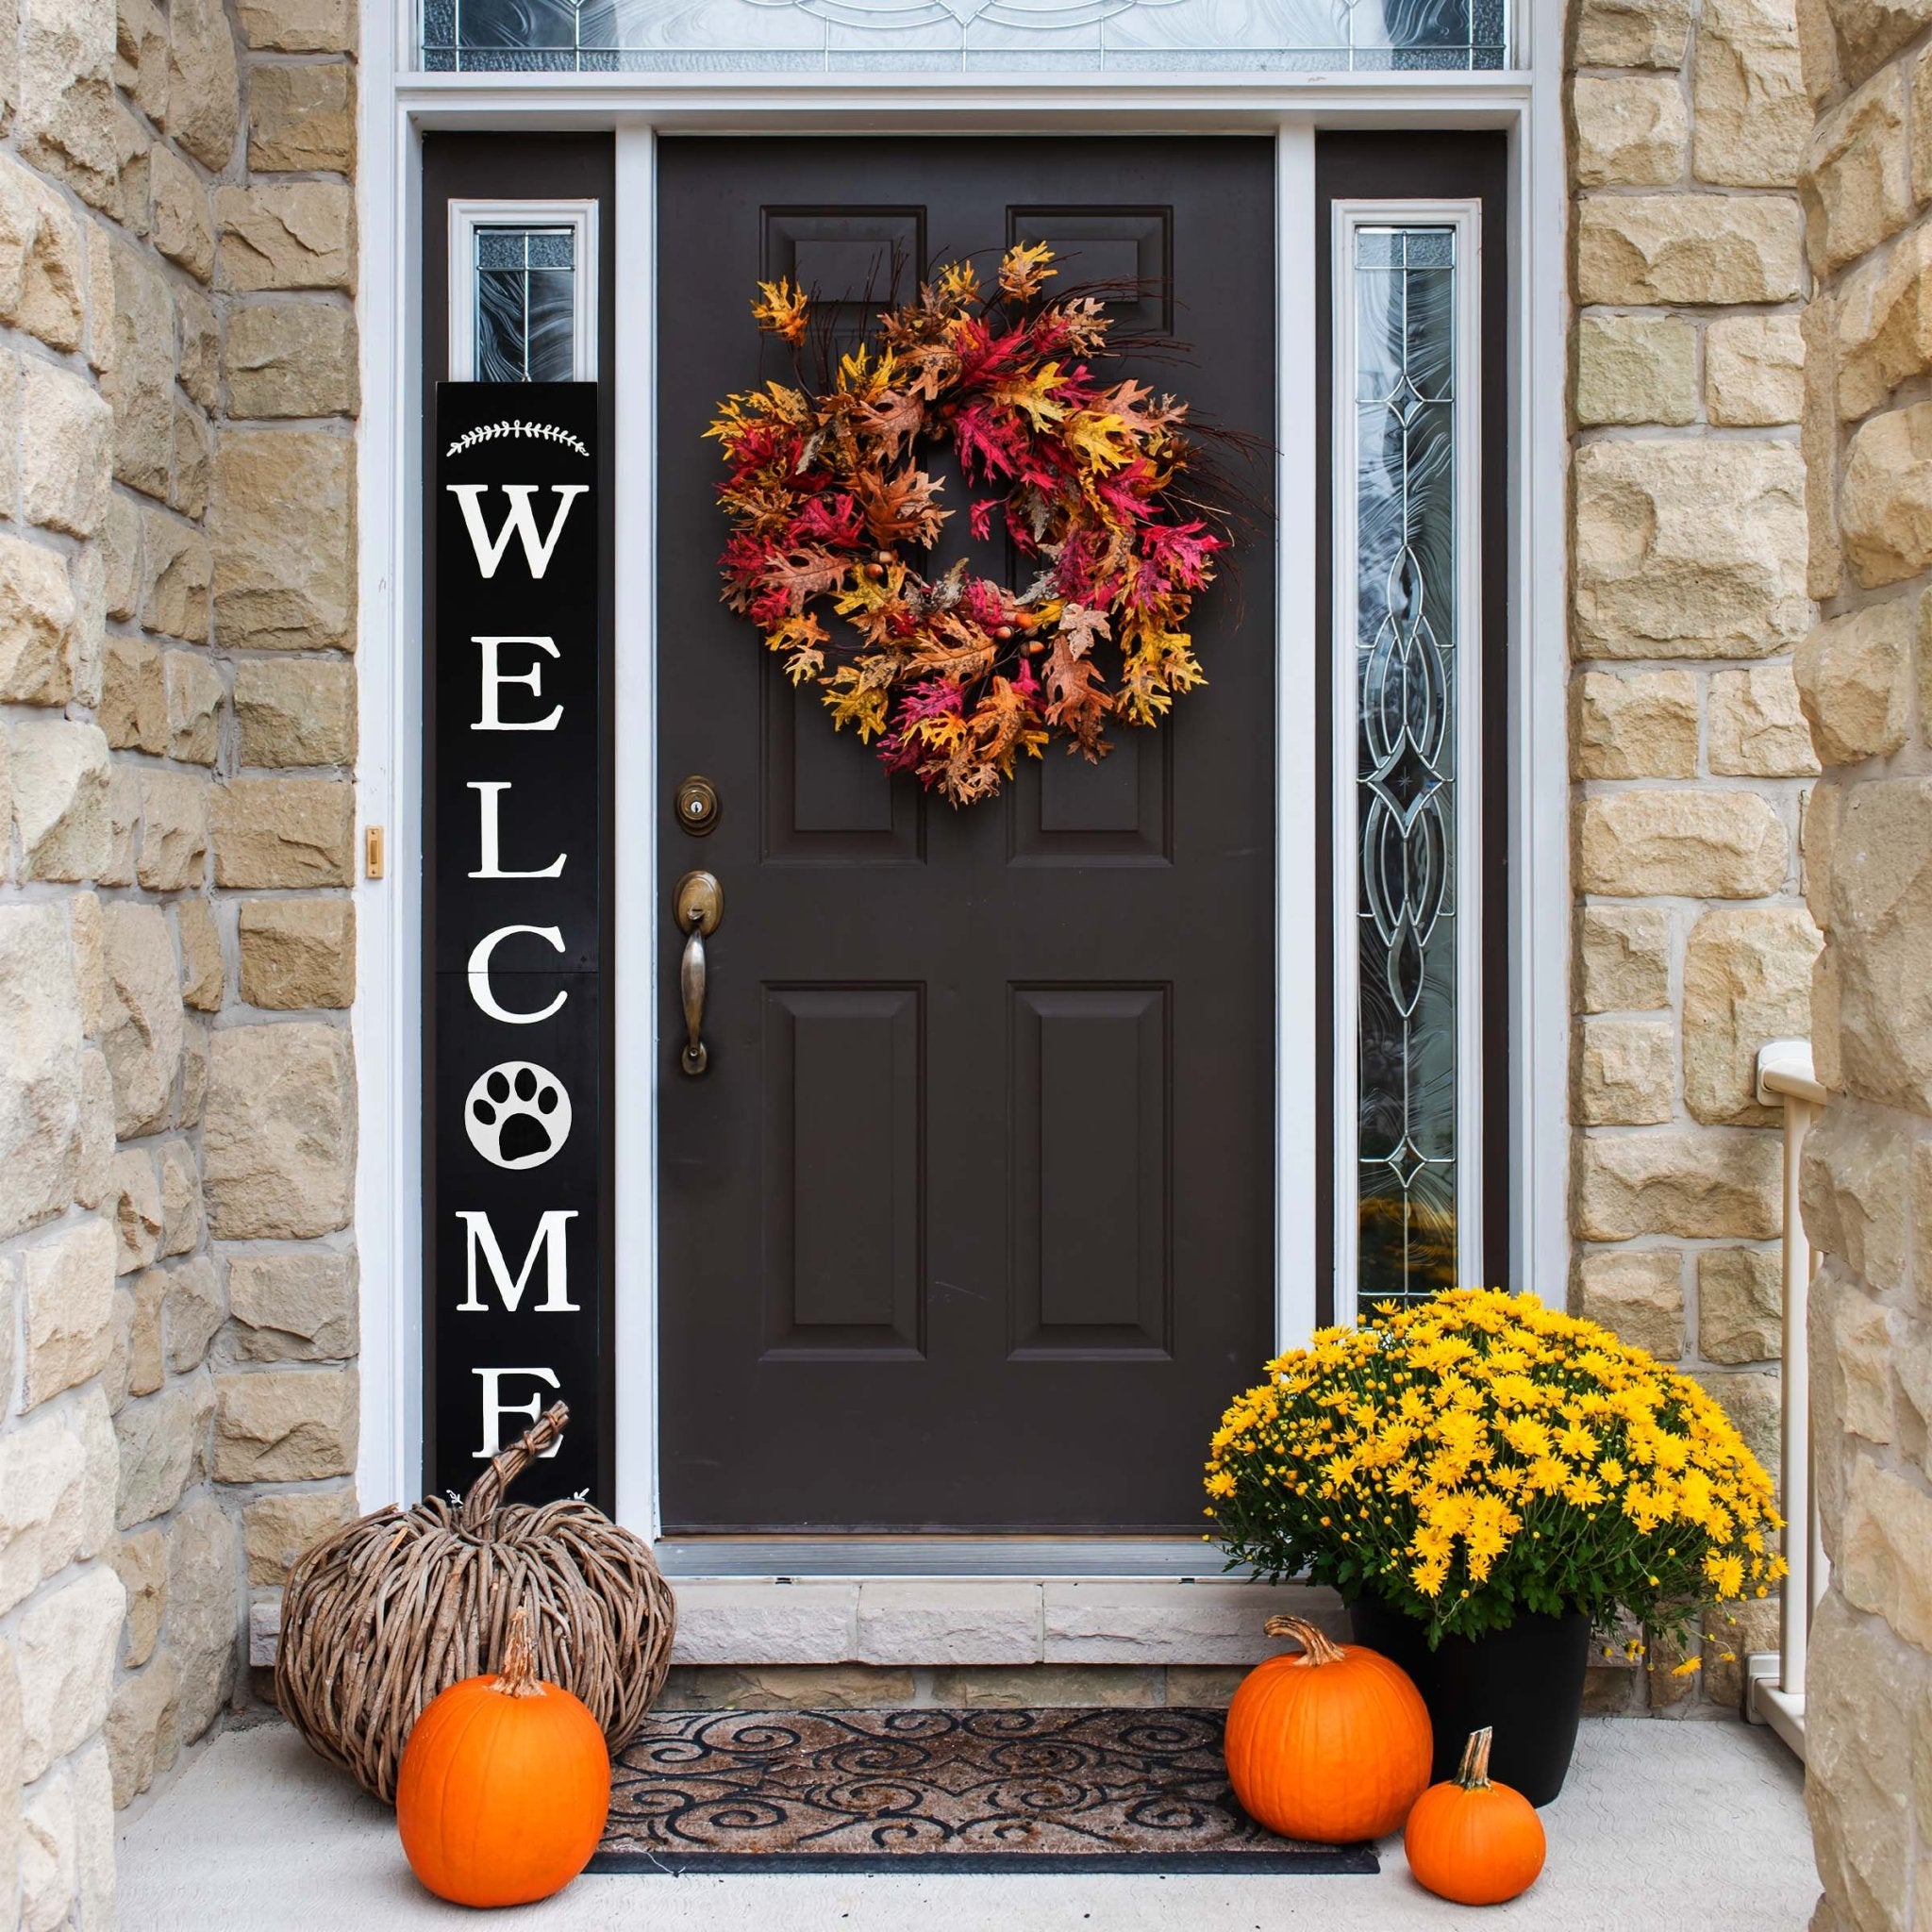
399, 1606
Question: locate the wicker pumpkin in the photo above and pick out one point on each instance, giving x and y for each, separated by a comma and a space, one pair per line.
1332, 1745
1472, 1840
505, 1786
397, 1607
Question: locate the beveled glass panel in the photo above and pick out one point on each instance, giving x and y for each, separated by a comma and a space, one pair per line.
525, 305
1405, 777
936, 36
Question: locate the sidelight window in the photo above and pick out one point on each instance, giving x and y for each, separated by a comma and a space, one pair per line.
1408, 960
608, 35
523, 291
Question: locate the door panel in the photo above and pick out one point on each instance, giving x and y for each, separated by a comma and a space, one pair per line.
969, 1224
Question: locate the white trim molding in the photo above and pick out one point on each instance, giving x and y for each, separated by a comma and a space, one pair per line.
397, 108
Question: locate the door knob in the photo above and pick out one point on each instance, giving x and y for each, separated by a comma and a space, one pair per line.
700, 907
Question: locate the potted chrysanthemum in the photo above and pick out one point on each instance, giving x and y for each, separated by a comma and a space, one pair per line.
1484, 1480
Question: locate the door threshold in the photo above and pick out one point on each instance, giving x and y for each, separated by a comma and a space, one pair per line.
1171, 1560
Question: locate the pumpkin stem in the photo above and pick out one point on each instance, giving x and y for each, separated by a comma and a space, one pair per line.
1317, 1646
517, 1677
485, 1493
1472, 1774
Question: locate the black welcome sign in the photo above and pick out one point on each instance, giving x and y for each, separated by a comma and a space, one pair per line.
516, 1294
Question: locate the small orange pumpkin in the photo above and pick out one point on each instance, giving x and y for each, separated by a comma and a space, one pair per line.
1330, 1745
505, 1785
1472, 1840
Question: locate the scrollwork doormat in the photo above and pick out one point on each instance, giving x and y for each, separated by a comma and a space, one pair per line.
1034, 1791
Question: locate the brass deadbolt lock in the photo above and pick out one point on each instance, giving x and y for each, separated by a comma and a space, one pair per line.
697, 806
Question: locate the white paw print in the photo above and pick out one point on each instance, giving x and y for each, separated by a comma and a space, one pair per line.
518, 1114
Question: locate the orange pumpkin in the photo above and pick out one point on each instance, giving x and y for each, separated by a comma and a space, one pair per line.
505, 1786
1331, 1743
1472, 1840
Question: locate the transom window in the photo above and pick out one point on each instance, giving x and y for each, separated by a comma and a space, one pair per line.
1319, 35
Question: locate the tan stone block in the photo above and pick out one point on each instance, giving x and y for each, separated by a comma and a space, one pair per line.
1638, 1294
1884, 316
1885, 1560
1854, 676
1623, 959
93, 1176
285, 1425
293, 832
1747, 979
163, 1448
1664, 249
89, 624
145, 1372
57, 1489
1922, 127
205, 1619
1698, 1183
183, 231
59, 773
787, 1687
1631, 33
144, 1727
195, 696
193, 1073
139, 1564
201, 348
284, 527
140, 1030
1046, 1686
1880, 945
278, 1141
139, 379
1824, 810
39, 1065
88, 930
285, 235
1870, 32
140, 55
301, 120
1754, 727
204, 82
1635, 369
300, 711
202, 976
1740, 1305
1626, 1073
193, 459
181, 1216
173, 833
299, 26
1885, 506
1633, 725
37, 626
68, 1294
1658, 576
68, 123
1818, 441
65, 1649
298, 953
1751, 112
1629, 130
1754, 371
135, 1196
279, 1528
176, 574
42, 257
1698, 845
1856, 188
292, 358
119, 542
1853, 1185
134, 696
66, 448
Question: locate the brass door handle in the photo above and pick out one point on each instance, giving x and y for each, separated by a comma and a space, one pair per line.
700, 905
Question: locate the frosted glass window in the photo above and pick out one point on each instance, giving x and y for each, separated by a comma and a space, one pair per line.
832, 36
527, 292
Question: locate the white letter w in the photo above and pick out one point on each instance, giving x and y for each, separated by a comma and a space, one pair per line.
536, 550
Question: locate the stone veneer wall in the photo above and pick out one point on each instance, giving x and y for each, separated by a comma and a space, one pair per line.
178, 1287
1689, 747
1867, 1181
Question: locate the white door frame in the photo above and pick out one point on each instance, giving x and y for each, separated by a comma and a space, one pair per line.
399, 106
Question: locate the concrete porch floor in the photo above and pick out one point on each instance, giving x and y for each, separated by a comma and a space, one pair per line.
1696, 1824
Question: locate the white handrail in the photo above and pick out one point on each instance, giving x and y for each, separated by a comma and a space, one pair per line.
1786, 1078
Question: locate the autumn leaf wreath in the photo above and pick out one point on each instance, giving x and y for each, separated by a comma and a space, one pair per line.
953, 674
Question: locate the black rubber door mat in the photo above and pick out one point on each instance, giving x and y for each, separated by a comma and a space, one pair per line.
967, 1791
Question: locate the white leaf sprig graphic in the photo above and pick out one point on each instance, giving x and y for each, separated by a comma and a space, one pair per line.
490, 432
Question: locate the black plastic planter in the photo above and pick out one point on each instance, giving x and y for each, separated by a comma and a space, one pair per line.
1526, 1682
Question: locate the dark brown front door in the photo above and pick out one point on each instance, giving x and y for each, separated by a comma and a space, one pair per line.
968, 1224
